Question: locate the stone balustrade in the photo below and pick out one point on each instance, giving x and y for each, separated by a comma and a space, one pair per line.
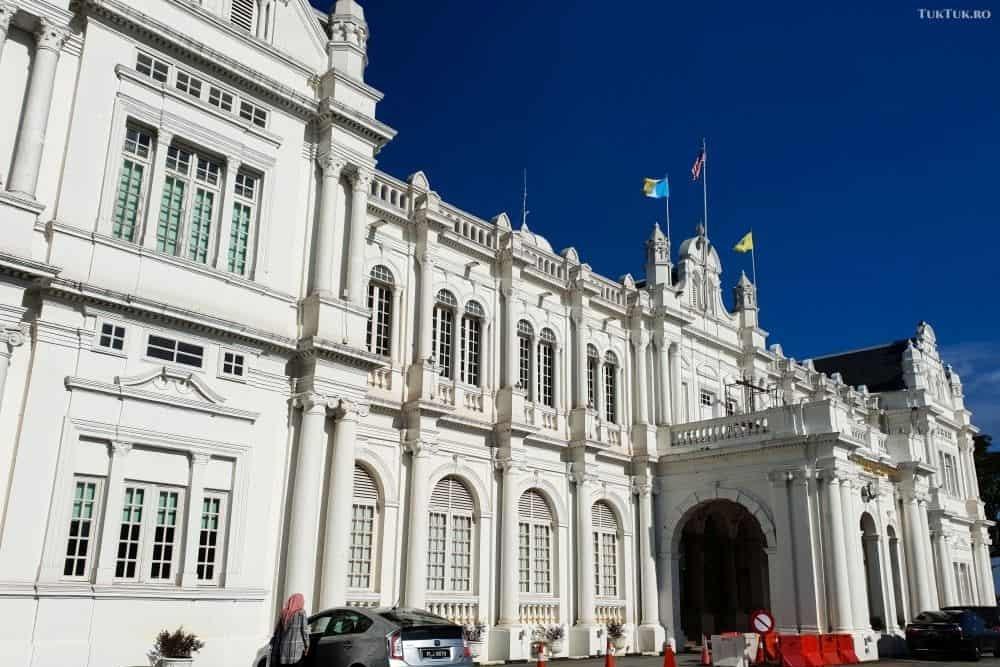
610, 612
381, 379
463, 612
539, 612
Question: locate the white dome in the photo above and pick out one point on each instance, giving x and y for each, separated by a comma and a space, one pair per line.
529, 238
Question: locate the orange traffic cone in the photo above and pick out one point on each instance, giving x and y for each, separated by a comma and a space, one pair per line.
609, 655
669, 659
706, 655
760, 659
541, 655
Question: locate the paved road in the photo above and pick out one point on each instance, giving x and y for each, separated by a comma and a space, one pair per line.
690, 660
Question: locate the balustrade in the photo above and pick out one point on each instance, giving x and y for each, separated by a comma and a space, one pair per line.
463, 612
539, 612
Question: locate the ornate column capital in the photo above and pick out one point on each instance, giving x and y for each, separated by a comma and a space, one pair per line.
420, 448
351, 410
7, 11
11, 337
641, 486
199, 459
120, 448
780, 477
310, 402
332, 165
50, 35
361, 179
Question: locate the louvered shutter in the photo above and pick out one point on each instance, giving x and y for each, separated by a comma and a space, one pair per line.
452, 495
242, 13
532, 506
603, 518
365, 489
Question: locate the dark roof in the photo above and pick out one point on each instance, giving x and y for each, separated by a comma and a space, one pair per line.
878, 368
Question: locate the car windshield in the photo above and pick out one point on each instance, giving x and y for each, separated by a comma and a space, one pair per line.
937, 617
410, 617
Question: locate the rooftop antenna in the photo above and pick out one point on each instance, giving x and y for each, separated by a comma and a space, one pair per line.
524, 199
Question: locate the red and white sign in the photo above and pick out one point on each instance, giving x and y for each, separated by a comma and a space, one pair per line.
762, 622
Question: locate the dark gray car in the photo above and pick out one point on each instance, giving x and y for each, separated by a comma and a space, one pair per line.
384, 637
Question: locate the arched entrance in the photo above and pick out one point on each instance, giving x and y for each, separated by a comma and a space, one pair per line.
723, 569
873, 572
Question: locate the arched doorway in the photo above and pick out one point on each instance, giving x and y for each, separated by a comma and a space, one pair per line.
723, 569
873, 572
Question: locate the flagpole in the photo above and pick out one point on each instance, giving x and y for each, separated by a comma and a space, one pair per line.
666, 179
704, 181
753, 263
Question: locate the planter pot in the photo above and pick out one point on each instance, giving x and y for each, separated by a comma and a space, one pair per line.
619, 644
476, 648
556, 646
175, 662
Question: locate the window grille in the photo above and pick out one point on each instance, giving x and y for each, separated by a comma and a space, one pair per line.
81, 540
164, 535
233, 363
220, 98
245, 191
210, 536
244, 13
471, 348
535, 526
188, 84
593, 362
176, 351
524, 336
152, 67
130, 533
441, 335
611, 387
546, 368
363, 530
188, 200
112, 336
605, 529
379, 334
136, 156
450, 538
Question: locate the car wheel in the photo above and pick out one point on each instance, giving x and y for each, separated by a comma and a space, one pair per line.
976, 653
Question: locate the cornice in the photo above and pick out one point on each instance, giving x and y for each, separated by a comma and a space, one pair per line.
335, 113
450, 239
26, 268
171, 441
315, 347
58, 589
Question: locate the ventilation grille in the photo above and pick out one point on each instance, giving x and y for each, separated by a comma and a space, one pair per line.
603, 518
450, 495
533, 506
242, 13
365, 489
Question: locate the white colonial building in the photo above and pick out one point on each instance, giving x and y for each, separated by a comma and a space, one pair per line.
239, 362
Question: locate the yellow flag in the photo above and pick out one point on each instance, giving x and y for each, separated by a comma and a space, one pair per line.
745, 244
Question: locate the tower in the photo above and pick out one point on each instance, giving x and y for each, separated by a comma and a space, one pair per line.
348, 45
658, 258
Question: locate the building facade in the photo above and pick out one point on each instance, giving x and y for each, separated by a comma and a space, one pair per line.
238, 361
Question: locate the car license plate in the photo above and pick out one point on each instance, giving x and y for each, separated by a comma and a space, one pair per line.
435, 653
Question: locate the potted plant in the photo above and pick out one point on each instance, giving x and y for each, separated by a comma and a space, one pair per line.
474, 635
554, 637
616, 633
174, 649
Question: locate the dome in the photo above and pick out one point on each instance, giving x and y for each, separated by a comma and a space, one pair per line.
692, 249
529, 238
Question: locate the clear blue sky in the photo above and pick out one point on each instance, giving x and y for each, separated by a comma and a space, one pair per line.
857, 140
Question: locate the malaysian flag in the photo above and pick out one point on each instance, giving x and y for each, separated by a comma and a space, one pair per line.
699, 163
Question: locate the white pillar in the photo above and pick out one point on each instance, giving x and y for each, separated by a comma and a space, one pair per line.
7, 11
802, 509
112, 513
984, 569
509, 585
221, 262
49, 40
946, 583
326, 259
416, 562
641, 410
426, 306
512, 342
307, 493
10, 337
647, 571
677, 411
851, 517
579, 361
196, 497
663, 360
361, 180
915, 557
782, 558
337, 536
839, 572
927, 562
585, 553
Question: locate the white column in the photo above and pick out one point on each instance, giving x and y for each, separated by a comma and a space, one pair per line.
946, 582
677, 411
782, 557
337, 536
984, 569
426, 306
511, 332
509, 585
556, 375
147, 227
585, 553
801, 509
580, 361
647, 570
326, 259
114, 495
233, 165
533, 389
10, 337
851, 517
416, 562
49, 40
927, 568
307, 493
361, 181
839, 572
916, 560
7, 11
663, 359
641, 410
196, 497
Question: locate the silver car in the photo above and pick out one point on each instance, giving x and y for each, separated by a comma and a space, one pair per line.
384, 637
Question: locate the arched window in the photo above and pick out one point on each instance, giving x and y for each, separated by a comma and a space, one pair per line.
449, 539
524, 335
472, 329
605, 527
442, 332
364, 531
244, 14
611, 387
546, 367
534, 543
593, 363
380, 303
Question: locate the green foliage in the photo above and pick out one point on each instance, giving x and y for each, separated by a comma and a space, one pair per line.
177, 644
988, 472
616, 630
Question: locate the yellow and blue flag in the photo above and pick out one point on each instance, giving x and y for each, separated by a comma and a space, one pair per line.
655, 188
745, 244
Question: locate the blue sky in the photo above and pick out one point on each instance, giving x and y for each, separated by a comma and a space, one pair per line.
858, 141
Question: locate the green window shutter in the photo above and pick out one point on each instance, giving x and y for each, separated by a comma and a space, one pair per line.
170, 215
239, 235
127, 201
201, 225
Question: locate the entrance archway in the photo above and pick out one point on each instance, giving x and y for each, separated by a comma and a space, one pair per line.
873, 572
723, 569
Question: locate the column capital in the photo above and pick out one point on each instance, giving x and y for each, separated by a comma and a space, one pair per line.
351, 410
14, 336
310, 402
418, 448
780, 477
200, 459
331, 164
50, 35
120, 448
582, 478
641, 486
7, 11
361, 178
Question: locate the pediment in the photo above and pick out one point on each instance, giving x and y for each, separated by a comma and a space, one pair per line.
168, 380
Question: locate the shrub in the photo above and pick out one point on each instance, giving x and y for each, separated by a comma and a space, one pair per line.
177, 644
474, 632
616, 630
554, 633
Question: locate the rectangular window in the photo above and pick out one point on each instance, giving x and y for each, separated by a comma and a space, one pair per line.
210, 537
190, 193
253, 113
130, 533
731, 407
543, 560
470, 350
152, 67
188, 84
609, 569
597, 563
136, 154
706, 398
444, 322
112, 336
245, 190
592, 363
201, 225
175, 351
436, 544
171, 215
524, 557
362, 536
524, 363
82, 527
545, 372
233, 363
610, 394
220, 98
461, 553
379, 327
164, 535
